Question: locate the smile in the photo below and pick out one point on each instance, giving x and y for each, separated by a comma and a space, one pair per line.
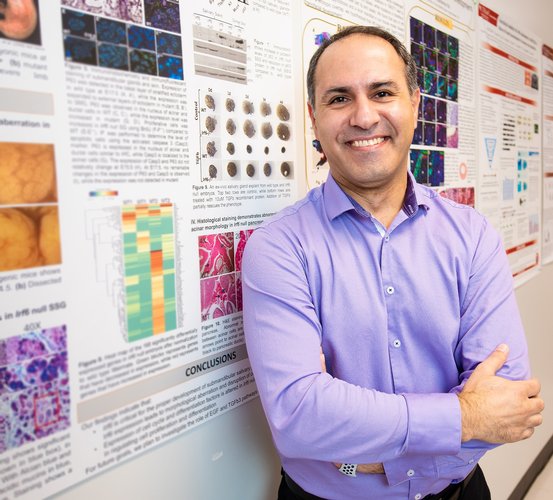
367, 142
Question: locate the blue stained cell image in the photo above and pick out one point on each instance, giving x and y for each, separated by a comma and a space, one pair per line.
436, 175
416, 30
162, 14
168, 44
417, 52
441, 111
143, 62
452, 90
113, 56
77, 23
79, 50
441, 41
430, 82
111, 31
441, 88
429, 134
170, 67
141, 38
453, 46
441, 135
417, 136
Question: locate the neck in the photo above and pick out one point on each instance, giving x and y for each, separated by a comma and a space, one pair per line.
382, 202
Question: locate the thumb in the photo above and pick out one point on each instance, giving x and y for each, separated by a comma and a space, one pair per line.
494, 361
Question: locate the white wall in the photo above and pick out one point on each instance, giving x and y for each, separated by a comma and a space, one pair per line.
232, 458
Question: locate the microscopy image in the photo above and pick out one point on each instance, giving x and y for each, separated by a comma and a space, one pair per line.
441, 135
20, 21
417, 136
111, 31
250, 170
441, 89
29, 237
80, 51
247, 107
77, 23
429, 108
230, 104
452, 137
452, 89
286, 169
417, 52
443, 64
464, 195
163, 14
430, 83
249, 149
212, 171
429, 134
283, 113
231, 149
429, 34
453, 46
241, 238
170, 67
168, 44
441, 111
238, 279
209, 101
283, 131
218, 296
419, 165
265, 108
420, 79
143, 62
267, 169
230, 126
211, 148
216, 253
436, 168
210, 124
430, 59
141, 38
113, 56
126, 10
266, 130
441, 41
249, 128
34, 386
232, 169
416, 30
452, 113
27, 173
453, 69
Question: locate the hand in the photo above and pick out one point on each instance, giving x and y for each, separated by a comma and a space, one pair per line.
497, 410
362, 468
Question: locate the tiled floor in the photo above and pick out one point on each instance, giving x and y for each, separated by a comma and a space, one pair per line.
542, 489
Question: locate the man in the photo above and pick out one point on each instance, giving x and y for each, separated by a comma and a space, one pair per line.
405, 293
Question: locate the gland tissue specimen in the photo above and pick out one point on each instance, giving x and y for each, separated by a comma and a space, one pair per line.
209, 101
265, 108
249, 149
250, 170
266, 150
267, 169
210, 148
18, 18
212, 171
216, 254
231, 126
266, 130
232, 169
249, 128
283, 131
210, 123
18, 240
248, 107
27, 173
285, 169
49, 236
242, 237
230, 148
283, 113
230, 105
218, 296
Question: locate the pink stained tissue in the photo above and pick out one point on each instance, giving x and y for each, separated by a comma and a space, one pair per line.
218, 296
242, 239
216, 253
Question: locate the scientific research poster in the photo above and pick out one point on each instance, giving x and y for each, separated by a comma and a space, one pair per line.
547, 124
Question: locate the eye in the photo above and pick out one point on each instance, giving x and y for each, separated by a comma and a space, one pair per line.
338, 99
383, 94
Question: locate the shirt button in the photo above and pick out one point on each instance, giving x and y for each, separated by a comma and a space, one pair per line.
387, 237
397, 343
410, 472
390, 290
418, 496
471, 461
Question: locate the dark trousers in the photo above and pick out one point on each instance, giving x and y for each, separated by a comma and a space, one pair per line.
472, 488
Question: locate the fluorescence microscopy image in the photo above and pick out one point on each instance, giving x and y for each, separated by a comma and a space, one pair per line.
20, 21
143, 62
168, 44
441, 111
441, 88
141, 38
429, 36
441, 135
429, 108
419, 165
417, 136
428, 166
170, 67
29, 237
218, 296
416, 27
78, 24
163, 14
80, 51
430, 82
34, 386
452, 89
27, 173
453, 46
417, 52
436, 169
216, 252
429, 134
441, 42
113, 56
430, 59
111, 31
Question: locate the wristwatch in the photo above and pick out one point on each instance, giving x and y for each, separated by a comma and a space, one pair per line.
348, 469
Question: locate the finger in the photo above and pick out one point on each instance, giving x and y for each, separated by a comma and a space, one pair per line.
533, 387
494, 361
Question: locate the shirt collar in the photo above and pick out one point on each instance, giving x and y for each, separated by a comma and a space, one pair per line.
337, 201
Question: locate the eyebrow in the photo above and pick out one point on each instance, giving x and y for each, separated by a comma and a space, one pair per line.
346, 89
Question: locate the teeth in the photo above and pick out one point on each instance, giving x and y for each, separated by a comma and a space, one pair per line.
367, 142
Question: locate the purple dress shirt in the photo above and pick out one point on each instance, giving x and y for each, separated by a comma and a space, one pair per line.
403, 316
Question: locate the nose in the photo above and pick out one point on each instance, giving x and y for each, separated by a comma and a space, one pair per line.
364, 113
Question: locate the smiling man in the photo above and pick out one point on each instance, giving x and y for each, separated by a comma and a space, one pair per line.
408, 296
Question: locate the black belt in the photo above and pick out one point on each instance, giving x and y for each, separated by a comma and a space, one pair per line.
452, 492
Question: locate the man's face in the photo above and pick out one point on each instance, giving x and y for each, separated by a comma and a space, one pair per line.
364, 116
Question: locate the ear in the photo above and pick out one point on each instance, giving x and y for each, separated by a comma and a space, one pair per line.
415, 102
312, 117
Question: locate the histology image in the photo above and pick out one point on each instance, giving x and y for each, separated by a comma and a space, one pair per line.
241, 238
79, 50
20, 21
111, 31
78, 24
126, 10
239, 291
170, 67
216, 253
464, 195
143, 62
163, 14
113, 56
34, 386
218, 296
141, 38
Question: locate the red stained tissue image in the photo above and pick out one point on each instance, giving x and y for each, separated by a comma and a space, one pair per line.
216, 253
